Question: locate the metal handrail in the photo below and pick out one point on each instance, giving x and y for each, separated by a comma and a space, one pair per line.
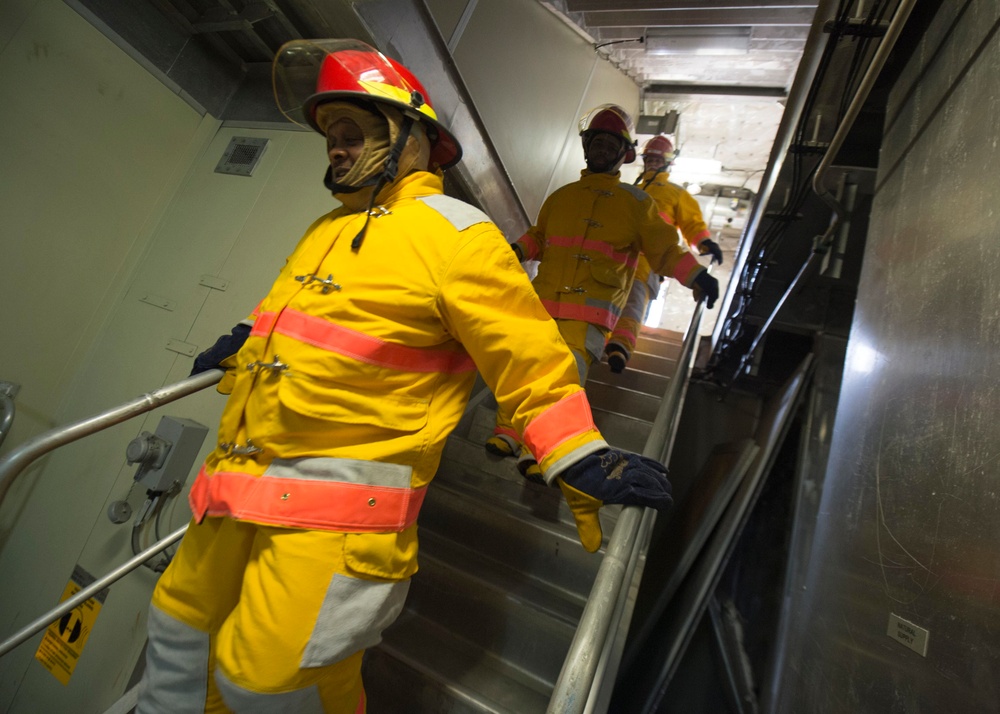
578, 681
70, 604
7, 409
20, 458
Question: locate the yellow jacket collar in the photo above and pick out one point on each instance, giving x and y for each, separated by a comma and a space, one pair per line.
414, 184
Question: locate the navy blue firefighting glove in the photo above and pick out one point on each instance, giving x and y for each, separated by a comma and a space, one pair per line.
708, 246
218, 356
707, 286
611, 476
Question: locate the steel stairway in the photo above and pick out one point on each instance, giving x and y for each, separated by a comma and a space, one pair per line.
503, 580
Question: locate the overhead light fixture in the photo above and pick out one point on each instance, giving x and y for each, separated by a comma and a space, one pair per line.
698, 41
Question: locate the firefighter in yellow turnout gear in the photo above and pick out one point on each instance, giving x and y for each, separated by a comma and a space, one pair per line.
358, 363
588, 239
678, 208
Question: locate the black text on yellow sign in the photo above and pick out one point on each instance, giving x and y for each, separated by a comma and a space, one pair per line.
63, 642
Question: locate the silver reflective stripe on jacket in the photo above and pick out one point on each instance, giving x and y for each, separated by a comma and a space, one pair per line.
325, 468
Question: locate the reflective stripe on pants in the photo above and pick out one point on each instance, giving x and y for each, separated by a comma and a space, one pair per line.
286, 617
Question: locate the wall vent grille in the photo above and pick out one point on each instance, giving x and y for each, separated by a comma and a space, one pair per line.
242, 156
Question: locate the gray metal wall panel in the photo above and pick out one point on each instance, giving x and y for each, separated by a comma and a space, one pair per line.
908, 523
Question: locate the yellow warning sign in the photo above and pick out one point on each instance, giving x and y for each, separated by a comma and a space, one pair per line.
63, 642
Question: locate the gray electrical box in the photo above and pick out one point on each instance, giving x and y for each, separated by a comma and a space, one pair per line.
651, 124
166, 457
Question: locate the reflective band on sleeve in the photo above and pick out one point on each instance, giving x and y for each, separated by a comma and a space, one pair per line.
529, 246
305, 503
629, 258
565, 419
685, 269
584, 313
701, 236
667, 218
623, 336
350, 343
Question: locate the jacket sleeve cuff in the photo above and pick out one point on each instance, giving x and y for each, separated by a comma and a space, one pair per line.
564, 423
559, 464
528, 246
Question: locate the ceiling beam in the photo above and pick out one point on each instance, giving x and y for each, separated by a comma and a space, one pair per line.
763, 32
715, 17
634, 5
719, 90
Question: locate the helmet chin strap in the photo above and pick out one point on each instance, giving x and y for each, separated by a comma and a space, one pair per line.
656, 172
388, 175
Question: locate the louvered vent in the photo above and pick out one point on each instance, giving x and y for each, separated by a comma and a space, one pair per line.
241, 156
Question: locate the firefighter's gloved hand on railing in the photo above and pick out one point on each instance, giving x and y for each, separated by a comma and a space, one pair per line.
219, 356
707, 286
611, 476
709, 246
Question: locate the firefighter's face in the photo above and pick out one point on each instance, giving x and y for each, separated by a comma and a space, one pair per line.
653, 162
344, 143
604, 152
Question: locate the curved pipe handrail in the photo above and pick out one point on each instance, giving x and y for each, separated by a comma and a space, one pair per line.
17, 460
819, 178
70, 604
20, 458
6, 415
88, 592
631, 536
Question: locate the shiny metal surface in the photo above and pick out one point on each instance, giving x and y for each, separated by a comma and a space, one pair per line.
908, 522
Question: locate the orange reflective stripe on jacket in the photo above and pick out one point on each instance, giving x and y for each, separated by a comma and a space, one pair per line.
596, 312
344, 341
567, 418
315, 497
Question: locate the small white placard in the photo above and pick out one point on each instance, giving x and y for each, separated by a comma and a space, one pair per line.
908, 634
158, 301
214, 282
180, 347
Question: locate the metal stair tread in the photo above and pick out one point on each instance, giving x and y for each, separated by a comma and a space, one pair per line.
458, 668
514, 538
462, 470
494, 620
446, 555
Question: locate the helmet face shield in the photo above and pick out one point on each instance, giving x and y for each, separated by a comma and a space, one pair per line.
307, 73
611, 119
